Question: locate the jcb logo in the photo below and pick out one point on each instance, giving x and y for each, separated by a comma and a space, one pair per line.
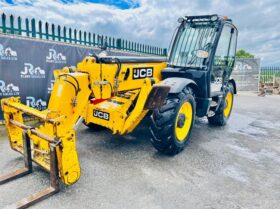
139, 73
101, 115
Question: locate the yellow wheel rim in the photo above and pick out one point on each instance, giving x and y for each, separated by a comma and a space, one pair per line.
184, 118
228, 104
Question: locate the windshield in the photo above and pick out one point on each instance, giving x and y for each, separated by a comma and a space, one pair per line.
193, 36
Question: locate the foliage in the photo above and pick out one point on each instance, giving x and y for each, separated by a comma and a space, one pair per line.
241, 53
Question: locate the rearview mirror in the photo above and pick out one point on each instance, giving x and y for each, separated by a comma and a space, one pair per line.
202, 54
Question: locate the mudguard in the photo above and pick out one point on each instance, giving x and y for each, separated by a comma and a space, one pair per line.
178, 84
232, 81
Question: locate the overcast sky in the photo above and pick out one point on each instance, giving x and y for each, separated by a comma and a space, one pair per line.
153, 21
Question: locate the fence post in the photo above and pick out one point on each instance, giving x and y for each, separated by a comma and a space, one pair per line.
19, 25
70, 35
47, 30
27, 27
110, 42
53, 32
33, 28
165, 52
93, 39
4, 28
85, 38
12, 24
40, 29
89, 39
119, 43
58, 32
64, 34
75, 36
80, 37
114, 43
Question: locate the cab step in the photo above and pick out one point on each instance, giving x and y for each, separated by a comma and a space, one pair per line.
211, 113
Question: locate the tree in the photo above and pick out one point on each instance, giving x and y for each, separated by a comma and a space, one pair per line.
241, 53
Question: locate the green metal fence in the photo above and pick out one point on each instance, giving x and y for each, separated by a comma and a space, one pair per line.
268, 74
38, 29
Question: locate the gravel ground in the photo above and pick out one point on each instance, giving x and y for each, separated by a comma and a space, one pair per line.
236, 166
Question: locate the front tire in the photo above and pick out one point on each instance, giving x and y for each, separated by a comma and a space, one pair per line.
224, 111
171, 124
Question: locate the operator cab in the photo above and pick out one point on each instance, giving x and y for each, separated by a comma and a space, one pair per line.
203, 50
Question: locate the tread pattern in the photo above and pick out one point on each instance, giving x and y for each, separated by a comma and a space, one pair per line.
163, 121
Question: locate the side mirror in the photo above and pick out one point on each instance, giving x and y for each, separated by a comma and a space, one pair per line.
202, 54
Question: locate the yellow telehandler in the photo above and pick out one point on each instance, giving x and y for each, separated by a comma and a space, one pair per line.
117, 93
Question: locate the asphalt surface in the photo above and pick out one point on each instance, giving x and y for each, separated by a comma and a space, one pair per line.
231, 167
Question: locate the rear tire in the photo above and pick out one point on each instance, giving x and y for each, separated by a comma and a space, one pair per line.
224, 111
171, 124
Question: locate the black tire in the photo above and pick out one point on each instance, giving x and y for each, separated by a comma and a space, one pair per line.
163, 123
94, 126
219, 119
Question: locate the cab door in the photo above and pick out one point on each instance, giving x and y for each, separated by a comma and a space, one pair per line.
223, 60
